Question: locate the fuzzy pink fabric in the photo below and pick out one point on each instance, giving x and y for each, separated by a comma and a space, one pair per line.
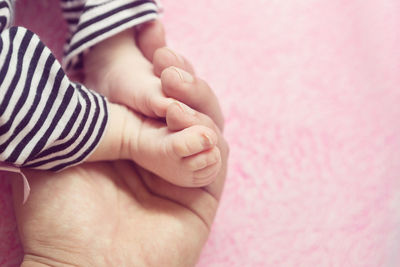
311, 95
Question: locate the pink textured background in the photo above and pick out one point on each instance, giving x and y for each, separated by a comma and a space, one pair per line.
311, 94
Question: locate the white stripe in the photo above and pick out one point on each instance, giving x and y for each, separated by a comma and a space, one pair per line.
102, 8
18, 90
93, 137
86, 146
35, 117
11, 67
7, 79
78, 36
66, 118
11, 4
72, 147
5, 11
69, 57
48, 120
32, 91
61, 125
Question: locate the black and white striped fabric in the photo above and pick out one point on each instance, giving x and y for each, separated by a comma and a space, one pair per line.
92, 21
6, 12
46, 121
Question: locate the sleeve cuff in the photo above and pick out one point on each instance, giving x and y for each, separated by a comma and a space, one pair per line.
101, 21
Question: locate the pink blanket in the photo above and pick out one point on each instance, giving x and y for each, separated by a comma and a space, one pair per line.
311, 94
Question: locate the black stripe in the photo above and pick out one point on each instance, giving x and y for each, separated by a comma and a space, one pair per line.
4, 68
84, 140
42, 83
67, 144
71, 122
73, 9
60, 112
73, 21
1, 48
3, 19
27, 87
4, 4
107, 29
3, 23
110, 13
78, 147
92, 146
45, 113
20, 56
68, 127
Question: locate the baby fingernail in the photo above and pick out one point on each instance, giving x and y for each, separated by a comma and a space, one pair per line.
207, 141
184, 76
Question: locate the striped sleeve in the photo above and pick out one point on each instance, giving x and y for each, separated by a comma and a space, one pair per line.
46, 121
92, 21
6, 13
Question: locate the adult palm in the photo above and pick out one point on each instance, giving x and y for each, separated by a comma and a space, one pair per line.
112, 214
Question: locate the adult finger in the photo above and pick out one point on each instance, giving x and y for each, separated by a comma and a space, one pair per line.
194, 92
165, 57
150, 36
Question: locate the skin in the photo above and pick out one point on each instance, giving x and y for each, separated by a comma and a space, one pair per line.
185, 157
118, 214
119, 69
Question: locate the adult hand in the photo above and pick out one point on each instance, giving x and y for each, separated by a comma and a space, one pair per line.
150, 39
116, 213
